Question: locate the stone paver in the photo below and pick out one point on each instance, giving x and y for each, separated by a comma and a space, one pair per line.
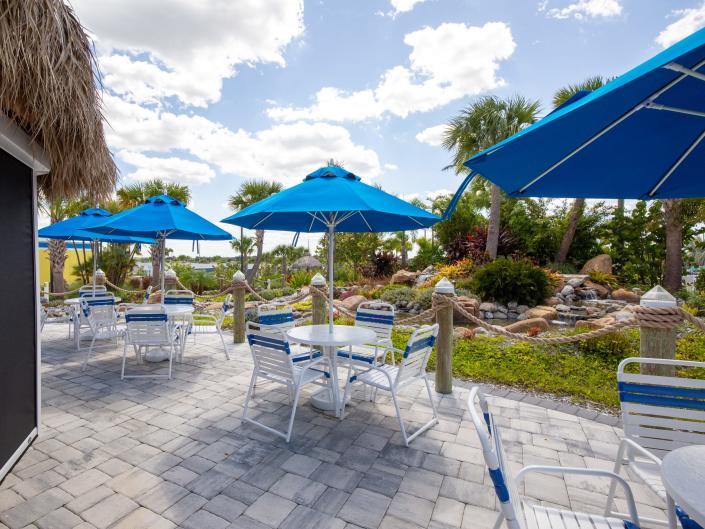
163, 454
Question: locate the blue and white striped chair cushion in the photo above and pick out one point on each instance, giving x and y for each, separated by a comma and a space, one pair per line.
145, 316
276, 318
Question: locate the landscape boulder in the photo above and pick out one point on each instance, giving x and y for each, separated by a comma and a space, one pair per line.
562, 308
471, 305
599, 263
567, 290
551, 302
353, 302
575, 282
487, 306
542, 311
622, 294
601, 291
403, 277
594, 324
529, 323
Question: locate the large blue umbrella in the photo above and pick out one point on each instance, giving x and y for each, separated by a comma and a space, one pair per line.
332, 199
161, 217
639, 136
72, 229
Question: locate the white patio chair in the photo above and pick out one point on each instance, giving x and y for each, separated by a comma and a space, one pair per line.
44, 319
273, 361
99, 314
90, 289
148, 326
411, 368
147, 293
280, 316
521, 514
178, 297
660, 414
378, 317
208, 323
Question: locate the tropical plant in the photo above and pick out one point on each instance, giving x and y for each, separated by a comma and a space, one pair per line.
285, 254
251, 192
427, 254
399, 294
382, 264
484, 123
132, 195
300, 279
506, 280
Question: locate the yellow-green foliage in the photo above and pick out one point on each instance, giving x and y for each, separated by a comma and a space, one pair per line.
456, 270
303, 305
602, 278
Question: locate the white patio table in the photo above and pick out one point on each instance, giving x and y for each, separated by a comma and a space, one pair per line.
683, 475
175, 313
342, 336
74, 305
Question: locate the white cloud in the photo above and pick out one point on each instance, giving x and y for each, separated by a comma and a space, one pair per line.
584, 9
185, 48
433, 195
169, 169
432, 135
445, 64
390, 167
404, 6
689, 21
284, 152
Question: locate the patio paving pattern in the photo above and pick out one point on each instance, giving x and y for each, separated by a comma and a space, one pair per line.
145, 453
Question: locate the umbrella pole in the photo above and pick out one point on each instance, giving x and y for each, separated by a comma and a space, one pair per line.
161, 266
94, 244
331, 285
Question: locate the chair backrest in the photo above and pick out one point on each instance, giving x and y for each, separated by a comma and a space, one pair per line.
99, 307
493, 452
416, 352
378, 317
662, 413
147, 293
89, 290
178, 297
270, 350
276, 315
147, 325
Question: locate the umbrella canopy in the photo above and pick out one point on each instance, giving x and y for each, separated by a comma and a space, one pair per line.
332, 199
333, 195
71, 229
639, 136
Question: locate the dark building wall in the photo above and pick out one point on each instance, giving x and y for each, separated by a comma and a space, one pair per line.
18, 339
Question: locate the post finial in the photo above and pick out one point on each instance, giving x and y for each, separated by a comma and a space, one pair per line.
318, 280
444, 287
658, 297
239, 277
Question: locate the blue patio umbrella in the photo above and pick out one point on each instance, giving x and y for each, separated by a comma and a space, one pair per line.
161, 217
332, 199
71, 229
639, 136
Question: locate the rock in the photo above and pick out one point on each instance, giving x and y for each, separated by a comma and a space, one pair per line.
592, 311
522, 317
562, 308
489, 315
625, 295
353, 302
542, 311
594, 324
567, 291
502, 308
599, 263
471, 305
622, 315
529, 323
575, 282
480, 330
500, 316
512, 315
601, 291
512, 305
521, 309
488, 307
403, 277
551, 302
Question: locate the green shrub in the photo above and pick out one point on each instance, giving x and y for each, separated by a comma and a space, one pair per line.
271, 293
424, 297
700, 281
300, 278
401, 293
506, 280
602, 278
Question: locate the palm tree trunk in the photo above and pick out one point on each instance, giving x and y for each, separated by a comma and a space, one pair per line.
493, 222
259, 243
620, 207
404, 253
57, 259
576, 211
674, 245
284, 270
154, 252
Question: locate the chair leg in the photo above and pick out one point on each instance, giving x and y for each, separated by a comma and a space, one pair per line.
672, 519
225, 347
171, 357
293, 413
250, 392
430, 397
613, 484
88, 353
401, 422
498, 522
124, 358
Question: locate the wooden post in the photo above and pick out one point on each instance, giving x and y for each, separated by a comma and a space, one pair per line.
658, 343
239, 288
444, 344
318, 309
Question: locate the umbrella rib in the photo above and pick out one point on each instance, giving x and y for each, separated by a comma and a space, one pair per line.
656, 106
678, 162
261, 221
346, 217
416, 221
364, 219
609, 127
674, 66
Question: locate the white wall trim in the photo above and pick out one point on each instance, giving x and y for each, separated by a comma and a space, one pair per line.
15, 142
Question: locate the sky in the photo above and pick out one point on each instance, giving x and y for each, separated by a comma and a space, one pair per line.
210, 93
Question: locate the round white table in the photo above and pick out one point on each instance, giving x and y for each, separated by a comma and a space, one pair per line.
174, 313
342, 336
683, 475
77, 301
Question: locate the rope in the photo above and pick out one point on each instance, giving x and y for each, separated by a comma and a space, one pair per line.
62, 294
124, 289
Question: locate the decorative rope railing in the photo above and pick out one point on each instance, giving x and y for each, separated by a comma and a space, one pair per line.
63, 294
113, 285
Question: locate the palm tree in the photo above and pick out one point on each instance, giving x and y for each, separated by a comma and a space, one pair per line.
133, 195
487, 121
250, 192
287, 254
576, 210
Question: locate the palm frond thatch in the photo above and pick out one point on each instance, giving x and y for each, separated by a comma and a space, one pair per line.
49, 86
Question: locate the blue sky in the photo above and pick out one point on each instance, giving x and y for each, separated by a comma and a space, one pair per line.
209, 93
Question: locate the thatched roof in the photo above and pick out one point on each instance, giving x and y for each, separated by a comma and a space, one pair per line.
49, 86
306, 262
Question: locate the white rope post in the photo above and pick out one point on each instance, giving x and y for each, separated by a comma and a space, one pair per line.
658, 342
318, 304
444, 344
239, 288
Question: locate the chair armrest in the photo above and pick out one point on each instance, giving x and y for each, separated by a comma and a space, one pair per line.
378, 368
629, 445
586, 472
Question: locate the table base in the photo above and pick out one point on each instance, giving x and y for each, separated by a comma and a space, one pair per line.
156, 355
323, 400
